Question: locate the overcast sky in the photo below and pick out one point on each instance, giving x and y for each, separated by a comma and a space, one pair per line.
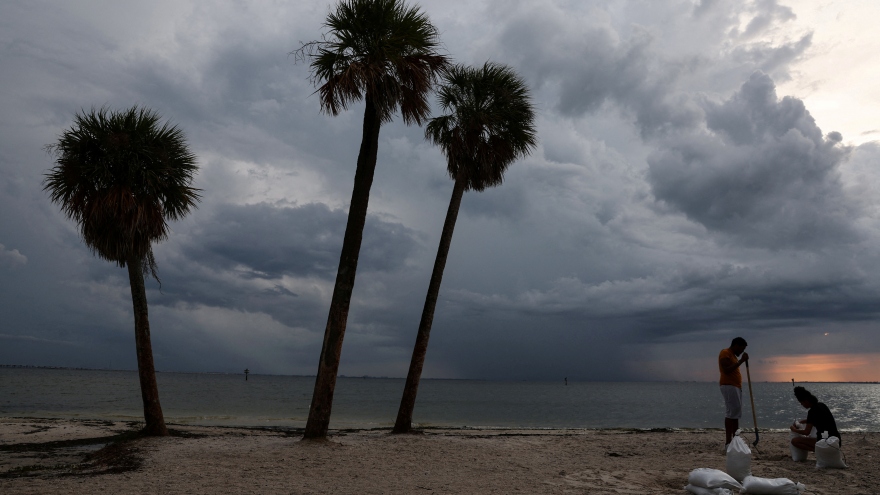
706, 169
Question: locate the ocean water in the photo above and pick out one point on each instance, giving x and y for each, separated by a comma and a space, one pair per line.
283, 401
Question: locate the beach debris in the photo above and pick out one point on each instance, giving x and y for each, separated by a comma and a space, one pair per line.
739, 458
828, 454
712, 478
699, 490
798, 454
754, 485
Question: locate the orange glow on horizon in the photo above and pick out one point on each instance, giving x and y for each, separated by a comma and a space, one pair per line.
818, 368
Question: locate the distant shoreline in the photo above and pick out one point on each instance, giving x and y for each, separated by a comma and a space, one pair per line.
253, 373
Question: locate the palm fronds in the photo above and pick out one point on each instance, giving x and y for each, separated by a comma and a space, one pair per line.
384, 50
121, 176
489, 124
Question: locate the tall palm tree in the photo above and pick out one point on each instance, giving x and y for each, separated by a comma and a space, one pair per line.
385, 52
490, 124
121, 176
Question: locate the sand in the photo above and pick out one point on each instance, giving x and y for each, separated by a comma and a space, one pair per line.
66, 457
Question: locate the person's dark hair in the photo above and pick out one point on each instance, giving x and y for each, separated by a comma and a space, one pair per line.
803, 394
740, 341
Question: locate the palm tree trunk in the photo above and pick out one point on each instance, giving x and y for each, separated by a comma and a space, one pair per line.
411, 388
328, 365
155, 422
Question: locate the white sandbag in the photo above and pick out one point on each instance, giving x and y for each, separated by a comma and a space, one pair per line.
797, 454
828, 453
699, 490
753, 485
712, 478
739, 458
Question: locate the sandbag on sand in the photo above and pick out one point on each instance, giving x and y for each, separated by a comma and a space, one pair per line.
828, 453
699, 490
800, 455
712, 478
753, 485
739, 458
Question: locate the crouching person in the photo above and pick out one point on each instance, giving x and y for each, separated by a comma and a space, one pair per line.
818, 417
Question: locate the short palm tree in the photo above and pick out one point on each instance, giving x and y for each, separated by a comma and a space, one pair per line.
490, 124
385, 52
121, 176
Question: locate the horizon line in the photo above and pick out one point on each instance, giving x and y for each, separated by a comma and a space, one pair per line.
76, 368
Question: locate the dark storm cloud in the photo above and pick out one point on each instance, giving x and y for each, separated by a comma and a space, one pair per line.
588, 328
594, 67
509, 203
251, 102
278, 261
746, 218
269, 241
861, 174
597, 64
529, 348
633, 78
692, 300
764, 174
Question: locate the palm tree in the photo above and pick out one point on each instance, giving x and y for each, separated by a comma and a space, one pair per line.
385, 52
121, 176
490, 124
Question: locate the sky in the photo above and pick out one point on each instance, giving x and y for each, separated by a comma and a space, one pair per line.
706, 169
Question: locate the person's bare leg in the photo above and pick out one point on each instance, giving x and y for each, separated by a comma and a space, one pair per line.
730, 427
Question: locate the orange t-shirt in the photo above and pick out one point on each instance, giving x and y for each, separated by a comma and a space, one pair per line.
728, 358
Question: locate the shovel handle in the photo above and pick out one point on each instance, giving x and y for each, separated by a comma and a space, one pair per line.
752, 400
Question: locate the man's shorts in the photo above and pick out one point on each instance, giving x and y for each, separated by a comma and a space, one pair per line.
732, 401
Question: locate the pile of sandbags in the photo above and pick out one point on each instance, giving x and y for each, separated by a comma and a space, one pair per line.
738, 478
706, 481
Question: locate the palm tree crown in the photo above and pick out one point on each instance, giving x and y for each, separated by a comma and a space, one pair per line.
383, 49
121, 176
491, 123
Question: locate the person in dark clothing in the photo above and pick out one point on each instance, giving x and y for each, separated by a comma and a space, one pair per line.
818, 416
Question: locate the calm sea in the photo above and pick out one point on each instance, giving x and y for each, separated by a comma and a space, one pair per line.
267, 400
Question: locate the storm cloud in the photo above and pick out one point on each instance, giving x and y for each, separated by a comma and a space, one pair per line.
684, 191
763, 173
267, 241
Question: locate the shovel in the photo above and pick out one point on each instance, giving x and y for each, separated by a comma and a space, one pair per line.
752, 399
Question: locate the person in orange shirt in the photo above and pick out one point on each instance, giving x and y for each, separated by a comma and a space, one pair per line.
731, 385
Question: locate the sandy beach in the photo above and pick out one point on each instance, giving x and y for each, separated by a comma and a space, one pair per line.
51, 456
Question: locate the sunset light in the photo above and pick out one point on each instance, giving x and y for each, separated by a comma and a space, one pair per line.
819, 368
